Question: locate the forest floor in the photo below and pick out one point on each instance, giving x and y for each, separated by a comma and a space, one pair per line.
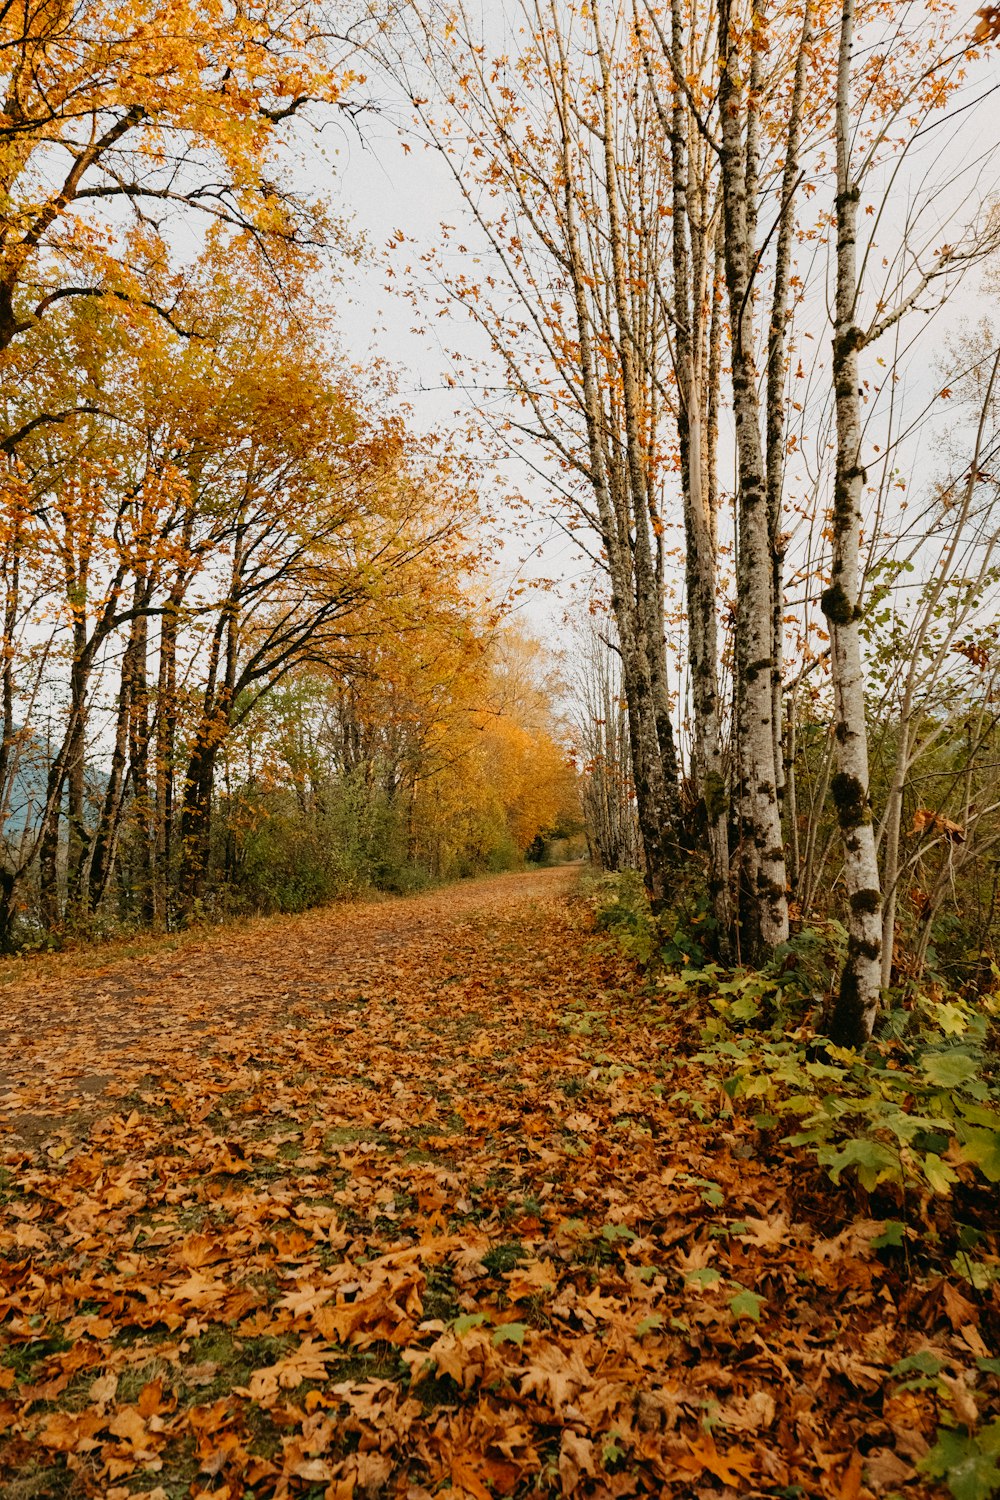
409, 1198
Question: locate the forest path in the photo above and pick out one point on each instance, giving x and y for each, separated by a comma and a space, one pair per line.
77, 1029
402, 1196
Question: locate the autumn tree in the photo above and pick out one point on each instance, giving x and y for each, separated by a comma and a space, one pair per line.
221, 511
118, 120
432, 751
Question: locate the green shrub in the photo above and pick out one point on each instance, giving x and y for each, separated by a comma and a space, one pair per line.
919, 1111
915, 1118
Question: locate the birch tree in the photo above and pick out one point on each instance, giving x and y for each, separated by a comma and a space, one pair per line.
688, 287
854, 1013
927, 271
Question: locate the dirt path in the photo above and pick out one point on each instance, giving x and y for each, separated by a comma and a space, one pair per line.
409, 1198
75, 1031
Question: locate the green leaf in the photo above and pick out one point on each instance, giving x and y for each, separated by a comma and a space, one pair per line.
612, 1452
465, 1321
921, 1363
983, 1148
654, 1321
989, 1366
948, 1069
510, 1333
969, 1472
938, 1173
872, 1161
952, 1019
892, 1235
979, 1114
746, 1305
613, 1232
704, 1276
976, 1272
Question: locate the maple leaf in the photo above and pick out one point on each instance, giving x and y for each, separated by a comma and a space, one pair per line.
766, 1233
307, 1362
730, 1466
988, 29
576, 1458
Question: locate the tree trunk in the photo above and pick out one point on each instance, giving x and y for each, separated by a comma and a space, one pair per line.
77, 841
755, 704
691, 263
196, 817
654, 772
166, 740
649, 675
775, 398
138, 762
102, 859
853, 1015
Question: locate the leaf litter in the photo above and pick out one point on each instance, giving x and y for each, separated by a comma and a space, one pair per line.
409, 1198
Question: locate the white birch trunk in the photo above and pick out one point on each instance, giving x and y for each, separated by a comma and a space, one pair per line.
653, 763
856, 1005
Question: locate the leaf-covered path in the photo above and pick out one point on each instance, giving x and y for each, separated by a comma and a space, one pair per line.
406, 1198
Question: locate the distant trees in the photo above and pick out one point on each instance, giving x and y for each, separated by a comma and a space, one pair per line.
222, 515
424, 758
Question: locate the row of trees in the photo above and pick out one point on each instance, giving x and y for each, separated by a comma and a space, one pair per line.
698, 234
208, 518
223, 516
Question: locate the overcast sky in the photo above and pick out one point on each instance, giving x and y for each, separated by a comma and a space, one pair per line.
387, 189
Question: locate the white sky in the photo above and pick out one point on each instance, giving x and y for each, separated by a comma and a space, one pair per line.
386, 189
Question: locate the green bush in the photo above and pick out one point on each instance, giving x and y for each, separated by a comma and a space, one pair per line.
274, 856
679, 936
915, 1119
918, 1114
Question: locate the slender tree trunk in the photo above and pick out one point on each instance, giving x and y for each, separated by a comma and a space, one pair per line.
166, 753
758, 775
13, 871
220, 691
49, 903
138, 758
196, 815
775, 397
659, 752
102, 860
853, 1013
656, 793
691, 261
792, 796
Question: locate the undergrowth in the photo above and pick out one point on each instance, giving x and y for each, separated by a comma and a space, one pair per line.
908, 1132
